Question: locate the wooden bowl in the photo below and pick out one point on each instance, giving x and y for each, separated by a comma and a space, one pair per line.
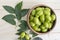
29, 12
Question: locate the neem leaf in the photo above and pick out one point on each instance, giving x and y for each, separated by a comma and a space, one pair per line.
18, 10
19, 6
9, 16
19, 31
23, 25
23, 38
9, 9
9, 19
18, 16
24, 12
33, 34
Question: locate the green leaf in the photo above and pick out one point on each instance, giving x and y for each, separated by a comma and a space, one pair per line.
23, 25
18, 16
19, 31
9, 9
24, 12
24, 38
18, 8
10, 19
33, 34
9, 16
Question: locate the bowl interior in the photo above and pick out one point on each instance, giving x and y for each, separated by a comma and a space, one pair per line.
35, 8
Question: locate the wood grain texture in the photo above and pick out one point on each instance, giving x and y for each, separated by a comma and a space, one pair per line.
7, 31
42, 1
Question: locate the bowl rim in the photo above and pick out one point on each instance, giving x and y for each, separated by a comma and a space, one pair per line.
28, 14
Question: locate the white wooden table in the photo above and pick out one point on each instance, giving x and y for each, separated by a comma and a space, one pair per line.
7, 31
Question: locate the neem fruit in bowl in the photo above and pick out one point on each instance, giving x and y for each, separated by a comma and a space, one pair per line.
41, 19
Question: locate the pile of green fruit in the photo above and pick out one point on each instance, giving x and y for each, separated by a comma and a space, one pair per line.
24, 35
41, 19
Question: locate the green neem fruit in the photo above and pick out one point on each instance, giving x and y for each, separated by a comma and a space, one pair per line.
39, 9
47, 11
31, 18
46, 24
37, 25
42, 27
53, 17
22, 35
36, 28
32, 24
42, 18
39, 13
44, 30
39, 29
27, 37
33, 12
48, 18
50, 25
36, 21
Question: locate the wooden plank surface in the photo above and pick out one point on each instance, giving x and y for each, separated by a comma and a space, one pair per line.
42, 1
53, 5
7, 31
